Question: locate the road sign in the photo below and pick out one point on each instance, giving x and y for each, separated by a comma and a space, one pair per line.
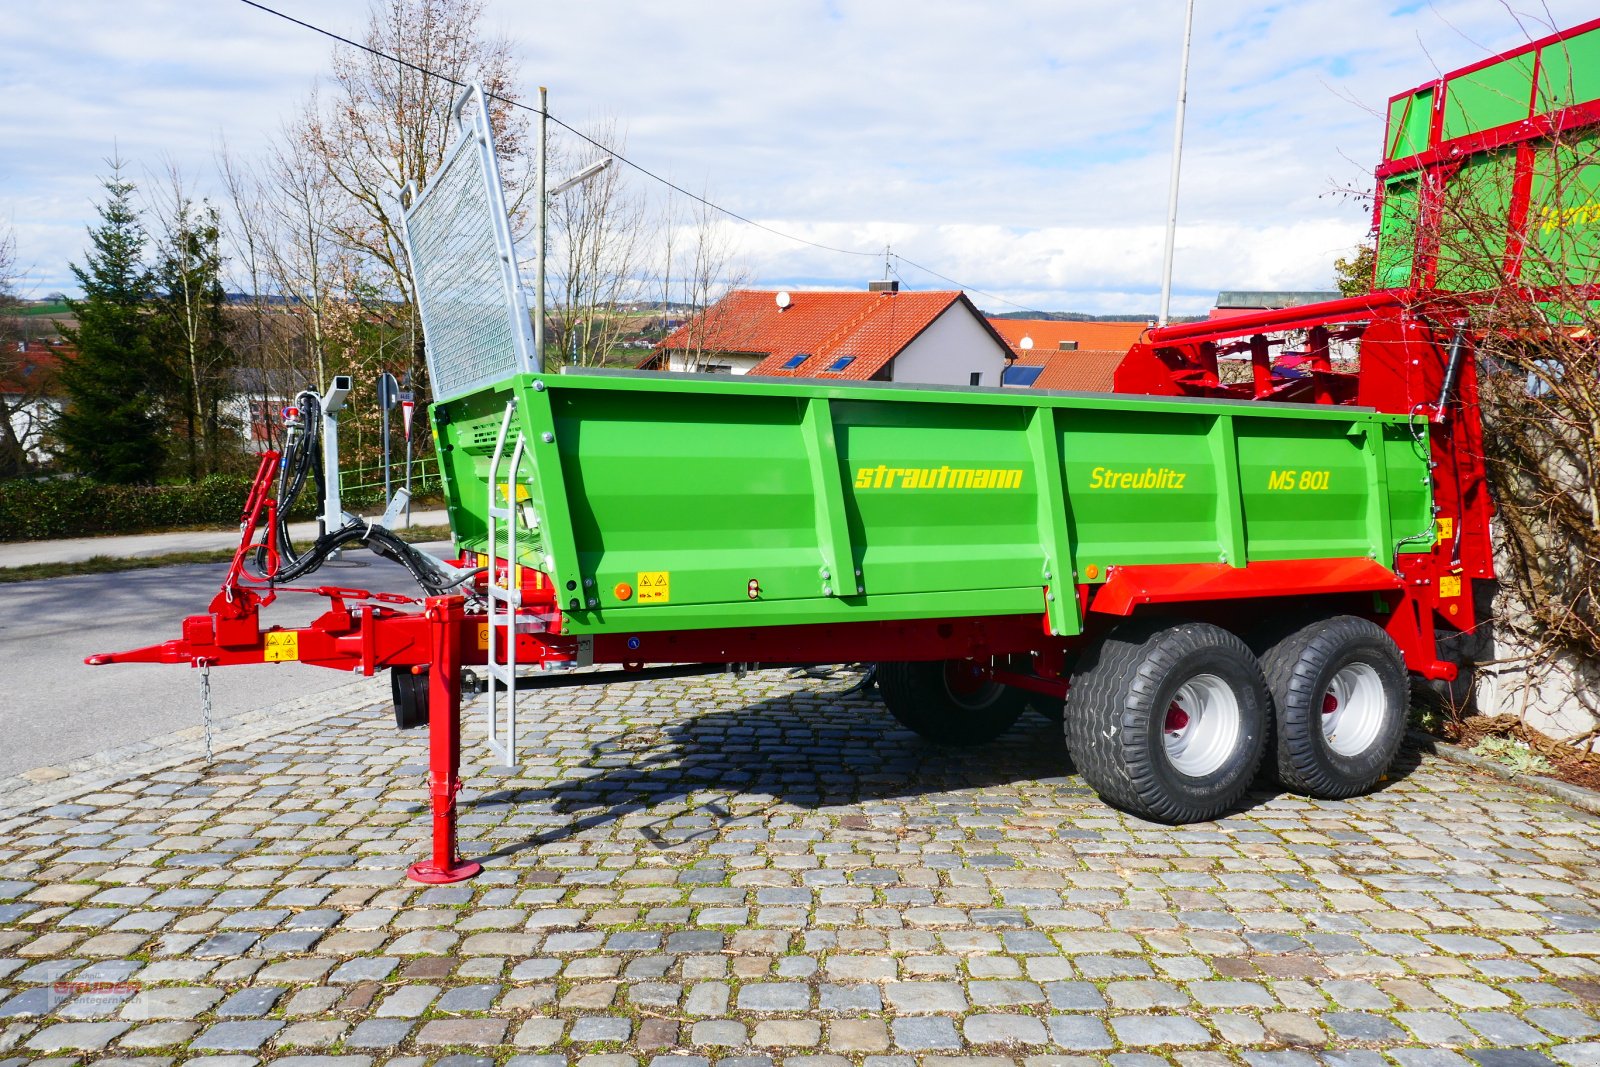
388, 397
388, 391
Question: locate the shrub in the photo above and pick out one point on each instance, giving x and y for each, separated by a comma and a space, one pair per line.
33, 510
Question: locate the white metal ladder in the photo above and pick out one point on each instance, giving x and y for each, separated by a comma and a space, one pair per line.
504, 590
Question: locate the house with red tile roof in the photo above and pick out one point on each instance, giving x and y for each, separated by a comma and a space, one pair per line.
31, 389
1082, 370
882, 334
1061, 335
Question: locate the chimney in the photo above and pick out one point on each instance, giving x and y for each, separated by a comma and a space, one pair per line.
1068, 346
885, 286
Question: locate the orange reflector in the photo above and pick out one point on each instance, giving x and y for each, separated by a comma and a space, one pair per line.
1092, 571
624, 591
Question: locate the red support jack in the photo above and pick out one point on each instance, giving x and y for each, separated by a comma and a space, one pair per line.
445, 615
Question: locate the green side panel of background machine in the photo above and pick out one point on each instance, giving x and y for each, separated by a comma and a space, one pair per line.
1505, 184
749, 502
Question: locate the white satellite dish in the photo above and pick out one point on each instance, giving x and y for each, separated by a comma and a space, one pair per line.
1025, 344
784, 300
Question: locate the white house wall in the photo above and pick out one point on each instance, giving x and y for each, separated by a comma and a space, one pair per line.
950, 351
30, 421
679, 361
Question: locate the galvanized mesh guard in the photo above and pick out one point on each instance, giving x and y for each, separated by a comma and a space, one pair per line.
463, 263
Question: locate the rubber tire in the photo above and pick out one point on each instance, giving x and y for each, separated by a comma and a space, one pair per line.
919, 697
1299, 668
1118, 704
410, 692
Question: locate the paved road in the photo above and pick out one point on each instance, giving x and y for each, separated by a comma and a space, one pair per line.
55, 708
137, 546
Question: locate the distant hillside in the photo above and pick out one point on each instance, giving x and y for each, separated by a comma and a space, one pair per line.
1079, 316
43, 307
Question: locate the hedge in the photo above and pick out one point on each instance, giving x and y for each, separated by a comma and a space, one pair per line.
33, 510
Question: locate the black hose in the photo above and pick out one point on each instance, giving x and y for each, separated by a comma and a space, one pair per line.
302, 456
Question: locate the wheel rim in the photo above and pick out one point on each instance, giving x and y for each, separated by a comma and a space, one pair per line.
1201, 729
969, 684
1353, 709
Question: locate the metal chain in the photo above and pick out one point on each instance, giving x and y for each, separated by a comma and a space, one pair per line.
205, 703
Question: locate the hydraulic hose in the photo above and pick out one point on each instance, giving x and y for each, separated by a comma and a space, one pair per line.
301, 457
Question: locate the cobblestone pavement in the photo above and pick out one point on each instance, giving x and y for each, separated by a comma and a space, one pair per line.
752, 872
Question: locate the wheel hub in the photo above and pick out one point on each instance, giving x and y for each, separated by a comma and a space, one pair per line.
1353, 709
969, 683
1201, 728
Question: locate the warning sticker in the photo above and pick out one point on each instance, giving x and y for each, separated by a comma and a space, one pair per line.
1449, 586
281, 645
1446, 530
655, 587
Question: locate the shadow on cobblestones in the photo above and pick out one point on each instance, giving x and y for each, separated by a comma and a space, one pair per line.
801, 752
811, 752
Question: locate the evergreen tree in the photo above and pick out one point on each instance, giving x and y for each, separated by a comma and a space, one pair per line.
113, 428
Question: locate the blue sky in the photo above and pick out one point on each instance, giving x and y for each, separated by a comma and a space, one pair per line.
1021, 148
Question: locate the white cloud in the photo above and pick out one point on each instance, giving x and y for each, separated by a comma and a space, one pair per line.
1021, 147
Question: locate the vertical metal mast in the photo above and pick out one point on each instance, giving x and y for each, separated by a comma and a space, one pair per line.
1177, 157
538, 277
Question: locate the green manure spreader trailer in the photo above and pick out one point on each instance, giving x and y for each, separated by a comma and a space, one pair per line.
1205, 576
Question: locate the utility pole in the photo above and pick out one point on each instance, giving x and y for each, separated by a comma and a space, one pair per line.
1177, 157
538, 277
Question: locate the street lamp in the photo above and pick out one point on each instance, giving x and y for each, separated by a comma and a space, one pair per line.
544, 196
583, 175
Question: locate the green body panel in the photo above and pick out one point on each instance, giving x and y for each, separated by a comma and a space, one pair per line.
1569, 73
1488, 97
1564, 216
1397, 233
1409, 117
1510, 179
949, 503
1473, 222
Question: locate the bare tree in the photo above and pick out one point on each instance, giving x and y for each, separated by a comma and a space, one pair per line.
381, 124
192, 329
15, 409
1530, 296
306, 281
307, 262
708, 271
599, 233
248, 239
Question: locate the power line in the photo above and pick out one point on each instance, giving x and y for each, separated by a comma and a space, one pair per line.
575, 132
963, 285
624, 159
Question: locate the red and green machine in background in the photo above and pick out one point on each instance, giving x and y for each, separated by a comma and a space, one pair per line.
1202, 574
